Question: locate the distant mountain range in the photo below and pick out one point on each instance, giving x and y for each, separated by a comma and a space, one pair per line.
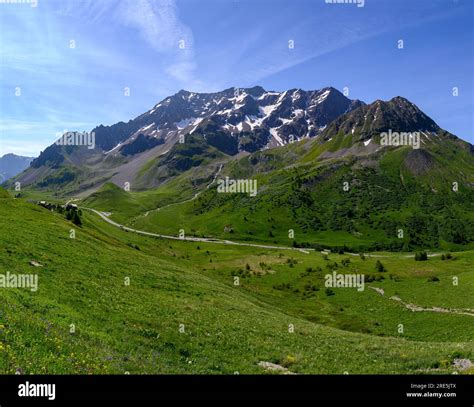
11, 165
192, 129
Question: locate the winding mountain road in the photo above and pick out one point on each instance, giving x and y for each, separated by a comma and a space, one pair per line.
104, 216
187, 200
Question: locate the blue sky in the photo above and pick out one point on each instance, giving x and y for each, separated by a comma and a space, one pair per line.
136, 44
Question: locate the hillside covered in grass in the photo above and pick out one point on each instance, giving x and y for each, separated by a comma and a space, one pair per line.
4, 194
109, 301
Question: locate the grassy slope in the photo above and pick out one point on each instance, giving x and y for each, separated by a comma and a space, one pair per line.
4, 193
298, 192
136, 328
123, 205
308, 198
302, 293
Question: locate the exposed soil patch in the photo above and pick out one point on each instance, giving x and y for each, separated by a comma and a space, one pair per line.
419, 161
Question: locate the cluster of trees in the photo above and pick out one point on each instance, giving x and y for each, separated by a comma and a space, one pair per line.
71, 211
74, 215
380, 267
421, 256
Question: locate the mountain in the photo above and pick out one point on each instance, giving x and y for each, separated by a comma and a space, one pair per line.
234, 113
375, 118
361, 131
11, 165
223, 124
427, 192
342, 189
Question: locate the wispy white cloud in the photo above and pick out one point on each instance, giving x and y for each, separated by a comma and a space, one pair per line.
159, 25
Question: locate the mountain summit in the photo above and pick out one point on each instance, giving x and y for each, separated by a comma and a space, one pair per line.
378, 117
233, 113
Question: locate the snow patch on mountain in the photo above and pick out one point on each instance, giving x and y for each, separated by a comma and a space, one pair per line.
115, 148
274, 133
185, 123
267, 110
322, 97
196, 124
264, 95
298, 113
146, 127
